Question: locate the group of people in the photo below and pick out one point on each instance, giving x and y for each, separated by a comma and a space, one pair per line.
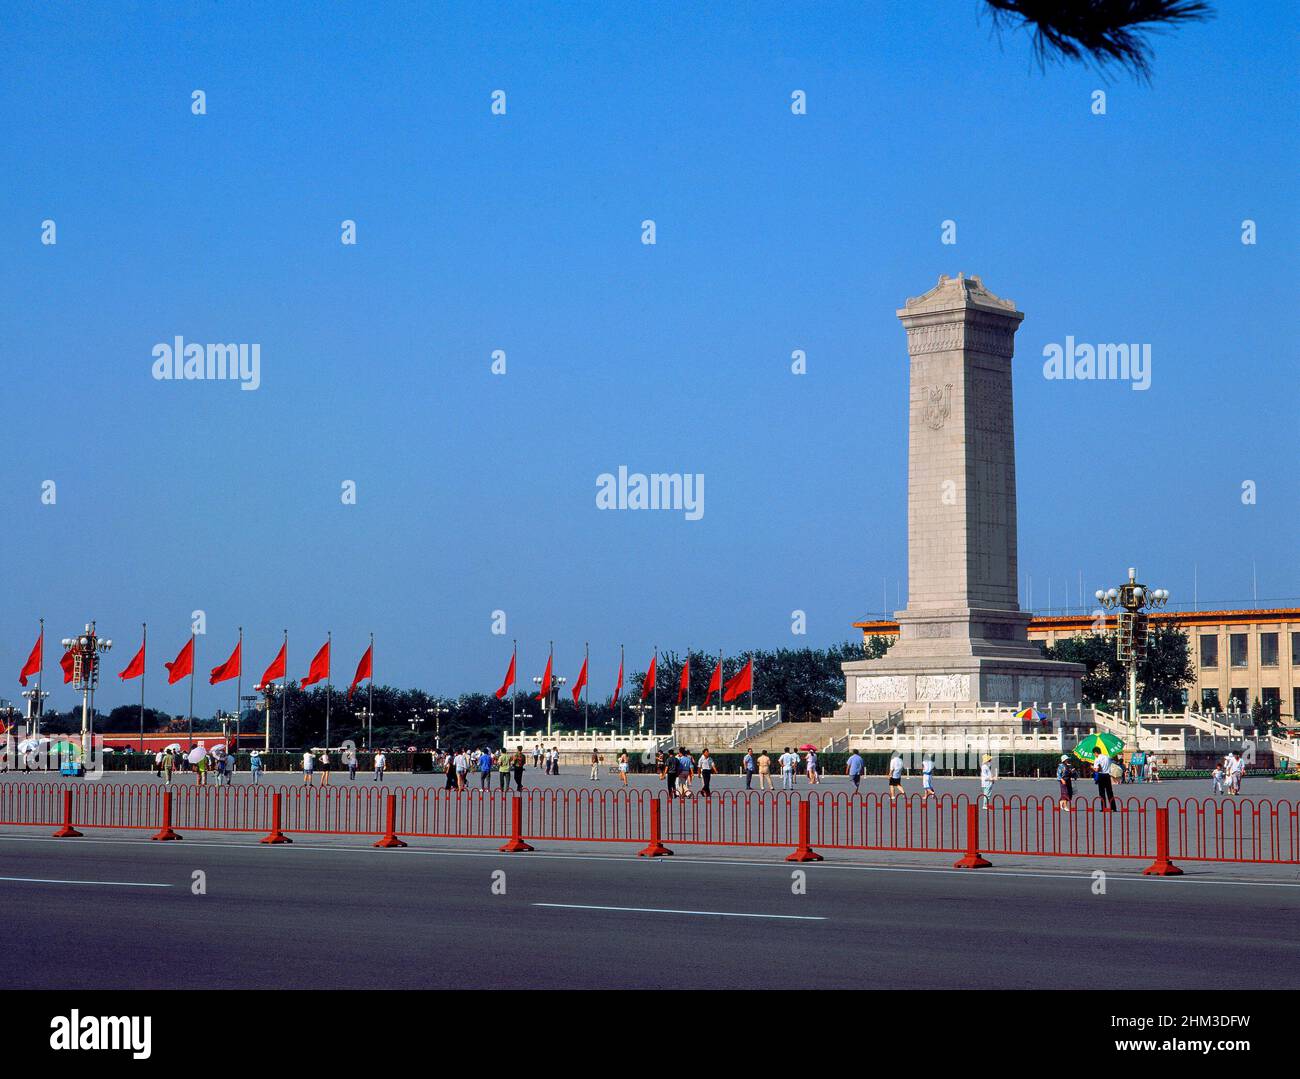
461, 765
216, 761
322, 762
677, 768
1228, 774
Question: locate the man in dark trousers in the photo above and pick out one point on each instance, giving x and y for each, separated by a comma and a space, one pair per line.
670, 773
1101, 769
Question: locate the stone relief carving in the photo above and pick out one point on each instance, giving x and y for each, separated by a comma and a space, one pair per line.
1032, 688
1062, 689
999, 687
881, 687
936, 405
942, 687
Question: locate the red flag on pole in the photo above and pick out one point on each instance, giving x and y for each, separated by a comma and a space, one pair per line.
69, 665
742, 682
648, 686
135, 668
33, 664
320, 667
275, 670
685, 683
715, 683
182, 666
546, 679
510, 679
363, 670
618, 687
582, 681
229, 669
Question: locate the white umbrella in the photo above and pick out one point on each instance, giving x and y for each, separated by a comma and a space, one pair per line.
30, 745
219, 750
175, 747
197, 754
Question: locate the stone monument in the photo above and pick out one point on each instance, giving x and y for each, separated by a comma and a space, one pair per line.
962, 637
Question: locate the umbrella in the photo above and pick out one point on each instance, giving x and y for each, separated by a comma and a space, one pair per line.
65, 749
1108, 743
809, 745
31, 745
1032, 714
175, 747
219, 750
197, 754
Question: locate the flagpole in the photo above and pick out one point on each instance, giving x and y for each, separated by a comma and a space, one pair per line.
688, 678
751, 681
284, 694
40, 688
329, 684
654, 699
192, 668
620, 691
514, 659
239, 686
586, 687
144, 641
370, 700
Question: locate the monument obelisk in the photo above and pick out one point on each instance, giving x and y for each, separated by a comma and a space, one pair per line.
962, 637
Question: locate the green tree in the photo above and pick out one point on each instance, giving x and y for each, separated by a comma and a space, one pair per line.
1162, 675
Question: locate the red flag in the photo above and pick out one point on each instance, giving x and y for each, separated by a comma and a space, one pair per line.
618, 688
715, 683
230, 669
34, 661
582, 681
68, 663
685, 683
363, 670
320, 667
742, 682
510, 679
135, 668
546, 679
275, 670
183, 665
648, 686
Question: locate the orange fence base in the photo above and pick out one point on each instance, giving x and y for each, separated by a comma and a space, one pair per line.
1162, 867
972, 860
655, 849
276, 836
166, 833
804, 854
67, 832
389, 840
514, 845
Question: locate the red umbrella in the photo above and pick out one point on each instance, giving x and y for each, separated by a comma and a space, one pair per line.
809, 746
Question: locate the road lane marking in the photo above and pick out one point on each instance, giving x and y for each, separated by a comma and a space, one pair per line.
107, 883
663, 910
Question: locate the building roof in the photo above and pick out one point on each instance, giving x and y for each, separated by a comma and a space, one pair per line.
885, 627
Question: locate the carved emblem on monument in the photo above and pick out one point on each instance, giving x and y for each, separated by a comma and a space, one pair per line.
937, 405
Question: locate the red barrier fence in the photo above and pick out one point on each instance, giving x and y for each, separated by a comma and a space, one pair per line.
1231, 830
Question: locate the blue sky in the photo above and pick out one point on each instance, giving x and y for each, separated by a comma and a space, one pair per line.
521, 232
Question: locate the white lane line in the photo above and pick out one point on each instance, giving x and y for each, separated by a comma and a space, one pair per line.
108, 883
663, 910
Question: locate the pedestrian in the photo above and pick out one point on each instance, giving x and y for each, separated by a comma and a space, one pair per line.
537, 754
810, 767
987, 779
596, 758
157, 764
706, 772
1217, 777
853, 769
747, 766
764, 763
1101, 763
895, 776
168, 766
326, 766
351, 755
788, 760
927, 777
485, 770
671, 764
255, 765
201, 770
517, 766
623, 765
381, 762
226, 769
685, 768
462, 769
660, 764
1064, 780
308, 767
1238, 772
555, 760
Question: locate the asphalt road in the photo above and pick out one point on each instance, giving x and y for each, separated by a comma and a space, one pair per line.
111, 911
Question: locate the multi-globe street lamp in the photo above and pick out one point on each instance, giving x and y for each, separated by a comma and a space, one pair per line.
86, 649
552, 700
1132, 632
35, 699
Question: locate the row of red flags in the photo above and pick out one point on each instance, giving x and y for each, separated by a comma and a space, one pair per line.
741, 682
183, 665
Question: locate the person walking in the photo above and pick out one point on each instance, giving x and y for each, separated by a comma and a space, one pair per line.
168, 766
685, 768
987, 779
623, 765
255, 765
326, 766
308, 767
660, 763
706, 772
788, 760
555, 760
381, 762
1101, 763
1238, 772
671, 764
927, 777
351, 755
596, 758
503, 769
201, 771
810, 768
1065, 783
485, 769
157, 764
1216, 778
462, 769
449, 769
764, 763
854, 767
517, 766
895, 776
747, 766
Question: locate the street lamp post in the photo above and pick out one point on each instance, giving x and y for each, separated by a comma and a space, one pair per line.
35, 699
366, 718
86, 649
1131, 632
552, 700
